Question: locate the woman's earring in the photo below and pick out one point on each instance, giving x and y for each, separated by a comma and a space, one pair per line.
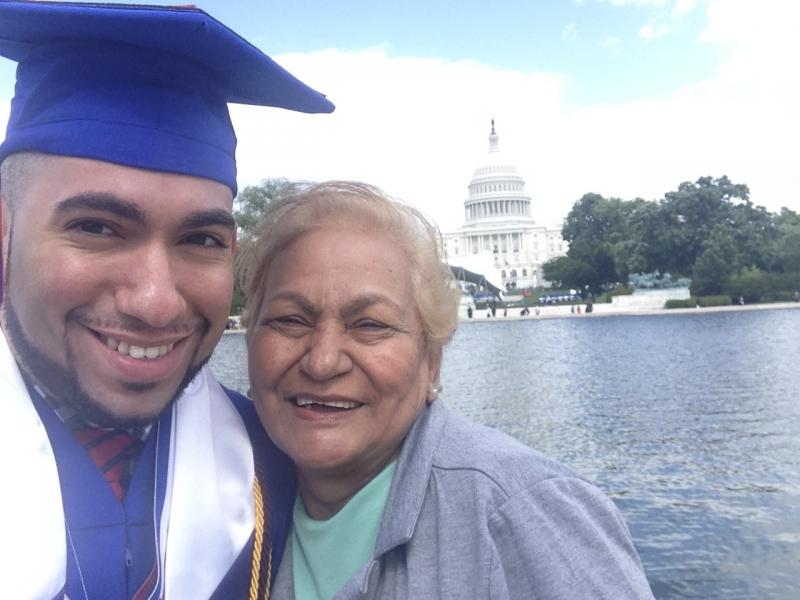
436, 387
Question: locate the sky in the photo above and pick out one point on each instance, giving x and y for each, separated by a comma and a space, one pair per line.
624, 98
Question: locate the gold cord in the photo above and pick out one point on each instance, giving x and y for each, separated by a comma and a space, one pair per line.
258, 546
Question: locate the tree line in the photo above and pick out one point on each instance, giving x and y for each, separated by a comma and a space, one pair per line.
708, 231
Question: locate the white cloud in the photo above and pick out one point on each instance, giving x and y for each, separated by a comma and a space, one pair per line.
417, 127
683, 7
770, 24
651, 31
570, 32
611, 41
5, 107
638, 2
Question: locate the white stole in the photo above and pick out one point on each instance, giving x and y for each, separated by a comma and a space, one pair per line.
208, 513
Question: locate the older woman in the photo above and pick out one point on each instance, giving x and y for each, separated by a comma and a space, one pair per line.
349, 307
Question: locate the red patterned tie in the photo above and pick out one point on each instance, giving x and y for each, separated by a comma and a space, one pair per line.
111, 451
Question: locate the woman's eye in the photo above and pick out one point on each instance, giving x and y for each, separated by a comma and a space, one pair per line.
371, 327
291, 324
290, 321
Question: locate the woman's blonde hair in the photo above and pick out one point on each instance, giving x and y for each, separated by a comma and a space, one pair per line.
434, 288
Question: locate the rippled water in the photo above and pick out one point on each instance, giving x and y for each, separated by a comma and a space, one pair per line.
691, 423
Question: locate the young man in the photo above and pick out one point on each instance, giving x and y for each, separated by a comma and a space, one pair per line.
128, 471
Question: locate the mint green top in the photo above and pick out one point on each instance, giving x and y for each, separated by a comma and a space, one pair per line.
325, 554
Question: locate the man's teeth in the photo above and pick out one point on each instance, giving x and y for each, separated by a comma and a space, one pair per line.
139, 352
332, 403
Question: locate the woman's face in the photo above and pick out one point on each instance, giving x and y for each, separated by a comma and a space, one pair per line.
338, 363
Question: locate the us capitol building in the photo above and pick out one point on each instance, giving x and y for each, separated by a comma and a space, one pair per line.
500, 239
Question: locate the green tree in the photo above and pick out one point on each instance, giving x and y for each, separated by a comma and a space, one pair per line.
751, 284
237, 301
708, 229
599, 236
249, 208
787, 246
718, 261
755, 232
788, 217
567, 272
253, 200
691, 213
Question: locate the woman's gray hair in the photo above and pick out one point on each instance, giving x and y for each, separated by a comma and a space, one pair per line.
434, 288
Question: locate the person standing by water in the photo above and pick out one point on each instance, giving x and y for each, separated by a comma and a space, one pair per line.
399, 497
128, 471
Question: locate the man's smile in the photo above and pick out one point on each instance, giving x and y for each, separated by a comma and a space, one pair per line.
138, 352
139, 357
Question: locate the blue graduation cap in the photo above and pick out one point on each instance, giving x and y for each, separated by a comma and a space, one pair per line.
142, 86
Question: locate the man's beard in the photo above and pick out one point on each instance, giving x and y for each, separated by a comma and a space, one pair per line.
63, 384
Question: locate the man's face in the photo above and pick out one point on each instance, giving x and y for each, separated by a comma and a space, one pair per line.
118, 284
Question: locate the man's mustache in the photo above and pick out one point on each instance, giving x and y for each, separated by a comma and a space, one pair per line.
121, 322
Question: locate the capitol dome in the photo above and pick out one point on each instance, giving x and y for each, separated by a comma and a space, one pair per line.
499, 238
496, 191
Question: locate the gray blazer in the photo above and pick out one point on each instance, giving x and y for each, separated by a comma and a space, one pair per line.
472, 513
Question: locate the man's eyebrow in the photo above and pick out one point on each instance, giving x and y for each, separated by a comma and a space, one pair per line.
101, 202
207, 218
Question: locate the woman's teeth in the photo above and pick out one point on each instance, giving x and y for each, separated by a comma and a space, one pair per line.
299, 401
139, 352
